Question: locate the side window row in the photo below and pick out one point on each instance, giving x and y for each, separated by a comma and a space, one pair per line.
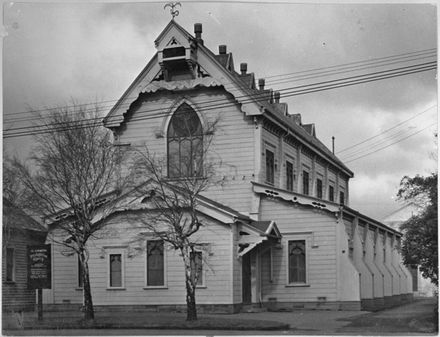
290, 178
155, 268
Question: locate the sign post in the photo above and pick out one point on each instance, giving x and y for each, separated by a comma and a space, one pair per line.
39, 272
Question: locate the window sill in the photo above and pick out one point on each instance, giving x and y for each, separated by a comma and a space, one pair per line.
9, 282
201, 287
297, 285
117, 288
79, 289
154, 287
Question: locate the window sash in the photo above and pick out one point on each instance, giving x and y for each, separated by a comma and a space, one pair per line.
155, 263
115, 268
305, 182
341, 198
197, 267
185, 144
331, 193
297, 261
10, 264
80, 272
270, 167
319, 188
289, 176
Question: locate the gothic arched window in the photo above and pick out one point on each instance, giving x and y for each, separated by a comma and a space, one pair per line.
297, 261
185, 143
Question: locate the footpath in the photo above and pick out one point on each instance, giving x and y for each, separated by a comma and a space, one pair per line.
416, 318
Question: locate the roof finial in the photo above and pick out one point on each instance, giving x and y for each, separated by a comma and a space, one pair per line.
172, 5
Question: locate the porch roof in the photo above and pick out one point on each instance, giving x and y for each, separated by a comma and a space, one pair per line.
255, 233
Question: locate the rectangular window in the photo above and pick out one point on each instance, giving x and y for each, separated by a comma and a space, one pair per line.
341, 198
289, 176
116, 270
297, 261
270, 167
319, 188
331, 193
155, 263
305, 182
10, 264
197, 267
80, 274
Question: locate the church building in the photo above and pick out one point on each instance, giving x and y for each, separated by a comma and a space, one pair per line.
278, 229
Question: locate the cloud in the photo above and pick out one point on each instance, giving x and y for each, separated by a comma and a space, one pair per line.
374, 196
56, 51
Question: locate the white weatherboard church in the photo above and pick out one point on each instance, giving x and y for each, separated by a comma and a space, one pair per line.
278, 231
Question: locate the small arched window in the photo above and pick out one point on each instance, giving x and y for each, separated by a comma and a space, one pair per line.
185, 143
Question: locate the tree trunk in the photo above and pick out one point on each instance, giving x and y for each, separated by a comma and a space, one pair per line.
191, 310
89, 313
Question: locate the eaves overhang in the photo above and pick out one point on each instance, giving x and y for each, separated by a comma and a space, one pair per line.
252, 236
353, 213
295, 198
117, 113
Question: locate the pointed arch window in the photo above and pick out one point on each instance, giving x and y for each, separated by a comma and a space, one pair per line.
185, 143
297, 261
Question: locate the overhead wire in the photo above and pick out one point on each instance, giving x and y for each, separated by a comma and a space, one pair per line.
342, 71
298, 90
387, 146
385, 131
399, 134
258, 94
399, 56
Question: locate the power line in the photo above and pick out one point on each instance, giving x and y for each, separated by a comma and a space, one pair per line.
384, 147
344, 70
398, 56
397, 135
32, 130
326, 85
385, 131
257, 94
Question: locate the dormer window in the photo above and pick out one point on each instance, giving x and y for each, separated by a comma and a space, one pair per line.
185, 144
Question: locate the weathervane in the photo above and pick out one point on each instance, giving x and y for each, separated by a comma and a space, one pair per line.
172, 5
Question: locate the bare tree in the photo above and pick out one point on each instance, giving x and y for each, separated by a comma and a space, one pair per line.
75, 167
173, 192
13, 197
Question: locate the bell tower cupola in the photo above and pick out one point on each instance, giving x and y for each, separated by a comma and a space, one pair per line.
177, 52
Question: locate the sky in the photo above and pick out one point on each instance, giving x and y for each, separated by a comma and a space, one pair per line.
54, 53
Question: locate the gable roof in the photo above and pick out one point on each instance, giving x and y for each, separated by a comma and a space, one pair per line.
245, 93
136, 199
16, 218
325, 205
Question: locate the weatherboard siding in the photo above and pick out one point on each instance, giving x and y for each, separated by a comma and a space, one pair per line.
319, 230
231, 150
236, 268
118, 234
15, 294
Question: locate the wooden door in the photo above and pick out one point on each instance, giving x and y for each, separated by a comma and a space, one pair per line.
246, 279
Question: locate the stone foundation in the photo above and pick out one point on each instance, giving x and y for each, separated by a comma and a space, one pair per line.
318, 305
201, 308
373, 304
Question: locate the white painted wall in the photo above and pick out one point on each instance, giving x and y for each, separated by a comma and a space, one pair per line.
318, 228
118, 234
366, 275
348, 282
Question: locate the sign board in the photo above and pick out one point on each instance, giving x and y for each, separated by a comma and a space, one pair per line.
39, 267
